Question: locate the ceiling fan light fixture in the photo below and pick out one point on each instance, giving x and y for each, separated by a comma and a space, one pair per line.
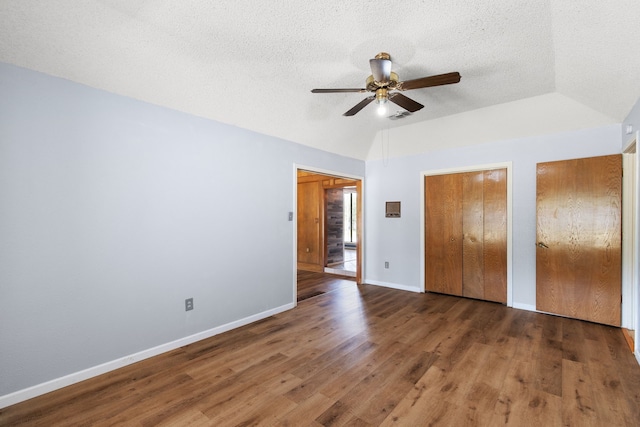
382, 99
382, 80
382, 108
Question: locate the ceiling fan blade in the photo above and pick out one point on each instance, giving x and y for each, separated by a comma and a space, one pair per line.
360, 106
381, 69
406, 103
337, 90
438, 80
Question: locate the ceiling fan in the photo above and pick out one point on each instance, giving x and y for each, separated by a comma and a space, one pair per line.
383, 81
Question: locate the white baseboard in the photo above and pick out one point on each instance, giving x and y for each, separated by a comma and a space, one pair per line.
58, 383
392, 285
527, 307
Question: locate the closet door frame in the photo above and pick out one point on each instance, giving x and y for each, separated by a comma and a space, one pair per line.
475, 168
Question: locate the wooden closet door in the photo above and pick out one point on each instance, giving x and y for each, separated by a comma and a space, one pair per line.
473, 235
466, 234
443, 239
495, 235
578, 255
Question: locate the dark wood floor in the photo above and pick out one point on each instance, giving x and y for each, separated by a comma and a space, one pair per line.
311, 284
367, 356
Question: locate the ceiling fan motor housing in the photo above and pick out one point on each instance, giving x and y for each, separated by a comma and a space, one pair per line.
373, 85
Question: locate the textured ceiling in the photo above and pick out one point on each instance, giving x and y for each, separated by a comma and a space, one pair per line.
253, 63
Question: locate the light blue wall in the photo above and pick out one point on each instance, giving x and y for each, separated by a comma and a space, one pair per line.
399, 179
113, 211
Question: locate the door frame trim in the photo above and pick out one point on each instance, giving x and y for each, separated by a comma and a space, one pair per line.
475, 168
359, 232
630, 235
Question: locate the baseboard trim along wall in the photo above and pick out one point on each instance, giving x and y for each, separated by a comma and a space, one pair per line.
76, 377
527, 307
392, 286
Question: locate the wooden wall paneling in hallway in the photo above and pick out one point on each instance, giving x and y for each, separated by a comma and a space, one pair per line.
466, 234
334, 226
310, 232
578, 255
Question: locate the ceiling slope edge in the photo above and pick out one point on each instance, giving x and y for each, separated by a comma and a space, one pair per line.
539, 115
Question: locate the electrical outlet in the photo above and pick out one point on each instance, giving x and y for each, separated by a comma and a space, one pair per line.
386, 264
188, 304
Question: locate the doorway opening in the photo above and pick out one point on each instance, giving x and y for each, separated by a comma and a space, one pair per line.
342, 231
328, 226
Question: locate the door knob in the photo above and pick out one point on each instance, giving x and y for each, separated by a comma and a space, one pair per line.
542, 245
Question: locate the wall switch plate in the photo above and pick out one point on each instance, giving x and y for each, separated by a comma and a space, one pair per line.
290, 216
386, 264
188, 304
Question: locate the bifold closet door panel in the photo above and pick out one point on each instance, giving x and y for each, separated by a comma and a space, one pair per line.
443, 239
473, 235
495, 235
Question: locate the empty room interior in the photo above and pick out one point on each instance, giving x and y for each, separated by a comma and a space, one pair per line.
321, 213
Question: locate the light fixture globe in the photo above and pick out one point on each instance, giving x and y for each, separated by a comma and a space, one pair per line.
382, 99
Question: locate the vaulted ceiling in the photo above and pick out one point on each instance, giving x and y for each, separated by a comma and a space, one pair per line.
253, 63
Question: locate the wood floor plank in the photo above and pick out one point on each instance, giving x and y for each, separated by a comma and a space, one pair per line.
521, 403
494, 368
351, 403
572, 339
366, 356
338, 386
312, 384
328, 357
258, 410
423, 403
380, 402
612, 405
480, 405
307, 410
460, 381
578, 406
190, 418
